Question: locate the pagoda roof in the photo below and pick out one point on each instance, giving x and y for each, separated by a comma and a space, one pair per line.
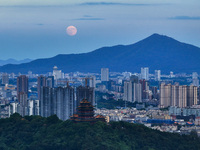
74, 115
85, 101
99, 116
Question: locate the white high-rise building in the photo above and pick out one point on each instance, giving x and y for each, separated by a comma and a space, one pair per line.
57, 73
14, 108
30, 107
194, 75
30, 74
5, 78
195, 80
145, 73
92, 82
104, 74
171, 75
157, 75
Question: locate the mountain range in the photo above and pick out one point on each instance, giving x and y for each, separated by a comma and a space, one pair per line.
158, 52
13, 61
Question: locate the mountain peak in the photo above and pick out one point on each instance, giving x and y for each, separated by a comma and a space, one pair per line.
156, 52
155, 39
156, 34
159, 36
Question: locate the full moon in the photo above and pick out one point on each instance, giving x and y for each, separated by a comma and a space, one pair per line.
71, 30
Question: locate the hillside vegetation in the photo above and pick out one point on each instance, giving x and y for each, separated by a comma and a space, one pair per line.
38, 133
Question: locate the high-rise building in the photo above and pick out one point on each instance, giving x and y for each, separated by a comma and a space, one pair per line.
85, 92
92, 82
177, 95
64, 105
165, 95
30, 104
12, 75
30, 74
22, 85
155, 94
198, 92
36, 107
145, 73
171, 75
13, 108
195, 80
157, 75
41, 81
145, 89
50, 81
33, 107
191, 95
104, 74
46, 104
194, 75
133, 90
57, 73
174, 95
5, 78
183, 96
59, 101
23, 104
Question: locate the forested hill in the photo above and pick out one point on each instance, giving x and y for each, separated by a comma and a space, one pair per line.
37, 133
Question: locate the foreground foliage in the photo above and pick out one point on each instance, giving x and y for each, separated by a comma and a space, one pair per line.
35, 132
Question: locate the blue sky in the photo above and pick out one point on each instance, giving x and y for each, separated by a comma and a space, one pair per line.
36, 28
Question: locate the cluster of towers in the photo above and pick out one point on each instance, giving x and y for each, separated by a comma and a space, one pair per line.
60, 100
177, 95
136, 90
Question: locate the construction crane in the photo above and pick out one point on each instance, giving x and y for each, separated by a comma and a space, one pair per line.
86, 78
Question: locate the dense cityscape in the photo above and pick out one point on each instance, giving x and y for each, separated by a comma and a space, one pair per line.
166, 102
99, 75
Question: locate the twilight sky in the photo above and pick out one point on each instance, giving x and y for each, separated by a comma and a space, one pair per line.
37, 28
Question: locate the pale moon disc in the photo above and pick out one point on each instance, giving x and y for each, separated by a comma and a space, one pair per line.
71, 30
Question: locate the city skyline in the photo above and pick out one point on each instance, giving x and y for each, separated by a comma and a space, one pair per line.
38, 29
107, 74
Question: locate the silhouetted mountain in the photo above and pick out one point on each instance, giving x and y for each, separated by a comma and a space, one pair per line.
156, 52
13, 61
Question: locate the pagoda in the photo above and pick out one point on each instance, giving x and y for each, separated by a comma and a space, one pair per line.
85, 113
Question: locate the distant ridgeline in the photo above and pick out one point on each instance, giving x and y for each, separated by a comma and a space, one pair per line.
156, 52
36, 132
